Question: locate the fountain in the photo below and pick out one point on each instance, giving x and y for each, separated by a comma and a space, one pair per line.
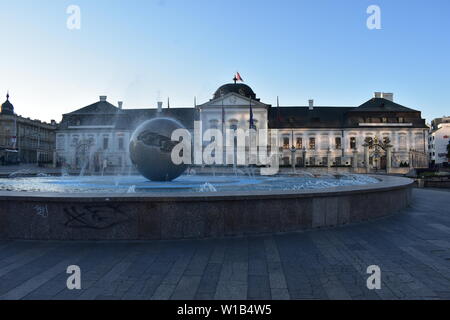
164, 203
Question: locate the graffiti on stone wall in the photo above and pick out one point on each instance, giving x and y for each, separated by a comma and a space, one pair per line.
97, 217
41, 210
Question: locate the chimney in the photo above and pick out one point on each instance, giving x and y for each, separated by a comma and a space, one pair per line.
120, 103
103, 98
160, 105
377, 95
388, 96
311, 104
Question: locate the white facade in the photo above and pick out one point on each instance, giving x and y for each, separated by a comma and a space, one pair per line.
98, 135
93, 147
319, 147
340, 146
439, 139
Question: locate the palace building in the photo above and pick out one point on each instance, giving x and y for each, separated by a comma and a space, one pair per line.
379, 134
23, 140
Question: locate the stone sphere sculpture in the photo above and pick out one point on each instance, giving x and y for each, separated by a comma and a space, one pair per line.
151, 148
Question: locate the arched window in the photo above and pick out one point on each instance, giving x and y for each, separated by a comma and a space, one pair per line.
214, 124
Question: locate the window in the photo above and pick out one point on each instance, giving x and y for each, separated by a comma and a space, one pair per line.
105, 143
353, 143
299, 144
234, 124
338, 143
121, 143
402, 142
325, 161
286, 143
312, 143
312, 161
91, 140
214, 124
401, 120
338, 161
60, 142
384, 120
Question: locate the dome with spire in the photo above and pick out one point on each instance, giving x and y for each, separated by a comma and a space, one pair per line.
7, 107
239, 88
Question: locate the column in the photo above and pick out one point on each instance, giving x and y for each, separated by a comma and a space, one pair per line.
388, 160
355, 160
54, 159
304, 157
411, 159
293, 153
329, 158
366, 159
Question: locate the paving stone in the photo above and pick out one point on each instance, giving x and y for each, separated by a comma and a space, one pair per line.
186, 288
258, 288
412, 249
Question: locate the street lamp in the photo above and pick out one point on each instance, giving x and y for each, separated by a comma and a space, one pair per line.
293, 152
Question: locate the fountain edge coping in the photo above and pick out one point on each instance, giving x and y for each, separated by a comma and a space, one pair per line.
387, 183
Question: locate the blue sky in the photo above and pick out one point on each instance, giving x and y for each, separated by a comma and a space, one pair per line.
137, 50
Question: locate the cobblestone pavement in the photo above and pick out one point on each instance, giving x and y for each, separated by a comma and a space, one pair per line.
411, 248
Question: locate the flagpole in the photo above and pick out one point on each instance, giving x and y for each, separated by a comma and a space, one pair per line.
223, 116
278, 111
251, 114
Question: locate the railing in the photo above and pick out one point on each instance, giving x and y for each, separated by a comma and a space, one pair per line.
418, 159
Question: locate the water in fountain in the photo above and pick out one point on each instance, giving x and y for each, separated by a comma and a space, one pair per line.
42, 175
185, 183
64, 171
19, 173
208, 187
305, 173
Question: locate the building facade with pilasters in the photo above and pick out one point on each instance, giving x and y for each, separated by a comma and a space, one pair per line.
23, 140
379, 134
376, 135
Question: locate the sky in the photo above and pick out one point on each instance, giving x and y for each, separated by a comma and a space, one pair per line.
139, 51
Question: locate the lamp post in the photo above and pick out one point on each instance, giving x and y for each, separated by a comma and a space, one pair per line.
293, 152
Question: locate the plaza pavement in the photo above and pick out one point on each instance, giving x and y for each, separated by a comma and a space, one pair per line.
412, 249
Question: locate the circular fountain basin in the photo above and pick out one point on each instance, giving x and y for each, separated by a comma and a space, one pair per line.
132, 208
187, 183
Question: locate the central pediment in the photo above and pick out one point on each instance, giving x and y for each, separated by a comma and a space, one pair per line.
233, 100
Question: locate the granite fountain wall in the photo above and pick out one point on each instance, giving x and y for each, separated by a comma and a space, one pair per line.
33, 216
